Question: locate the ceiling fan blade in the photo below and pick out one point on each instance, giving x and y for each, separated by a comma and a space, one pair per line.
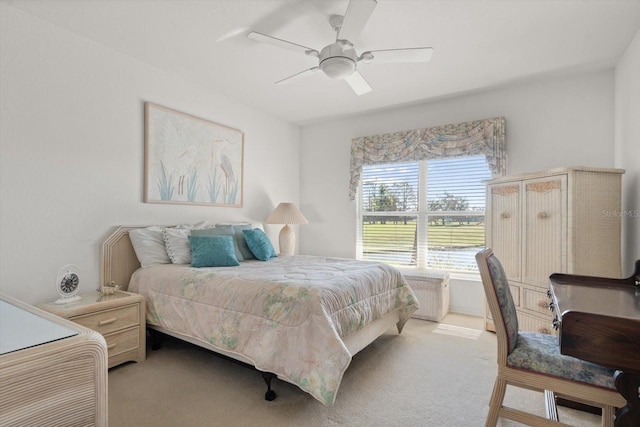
301, 74
414, 54
358, 83
282, 43
231, 34
355, 18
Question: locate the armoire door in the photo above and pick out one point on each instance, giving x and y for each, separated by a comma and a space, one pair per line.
504, 227
544, 249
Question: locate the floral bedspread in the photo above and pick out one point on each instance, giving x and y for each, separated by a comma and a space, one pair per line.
288, 315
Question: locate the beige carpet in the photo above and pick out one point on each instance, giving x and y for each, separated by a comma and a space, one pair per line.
431, 375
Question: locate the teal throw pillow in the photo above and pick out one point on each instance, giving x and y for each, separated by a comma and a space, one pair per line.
221, 231
212, 251
259, 244
242, 242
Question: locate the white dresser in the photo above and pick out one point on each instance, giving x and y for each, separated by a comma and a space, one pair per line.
53, 372
557, 221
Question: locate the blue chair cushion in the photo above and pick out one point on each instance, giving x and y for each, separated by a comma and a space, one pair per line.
505, 300
541, 353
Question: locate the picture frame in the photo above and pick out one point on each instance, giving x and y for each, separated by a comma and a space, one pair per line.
190, 160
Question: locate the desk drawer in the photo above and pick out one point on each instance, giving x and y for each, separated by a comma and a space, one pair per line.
121, 342
109, 321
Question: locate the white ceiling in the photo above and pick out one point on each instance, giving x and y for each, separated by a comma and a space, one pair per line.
477, 44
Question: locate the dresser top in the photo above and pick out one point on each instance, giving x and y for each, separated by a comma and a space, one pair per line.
556, 171
20, 329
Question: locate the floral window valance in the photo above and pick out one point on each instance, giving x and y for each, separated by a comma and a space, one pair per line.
456, 140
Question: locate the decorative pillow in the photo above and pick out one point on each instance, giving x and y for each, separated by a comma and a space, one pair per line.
148, 245
240, 240
213, 251
220, 231
176, 240
259, 244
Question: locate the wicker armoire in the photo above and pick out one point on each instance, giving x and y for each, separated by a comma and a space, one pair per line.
557, 221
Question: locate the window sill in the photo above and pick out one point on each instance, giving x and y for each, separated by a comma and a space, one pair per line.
454, 275
470, 277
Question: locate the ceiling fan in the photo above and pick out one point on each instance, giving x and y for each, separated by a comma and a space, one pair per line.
339, 59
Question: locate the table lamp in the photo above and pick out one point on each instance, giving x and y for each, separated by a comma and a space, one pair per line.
286, 213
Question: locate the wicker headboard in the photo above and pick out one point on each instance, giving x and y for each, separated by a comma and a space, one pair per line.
119, 260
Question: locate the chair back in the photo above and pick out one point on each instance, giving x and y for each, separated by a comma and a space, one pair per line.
503, 310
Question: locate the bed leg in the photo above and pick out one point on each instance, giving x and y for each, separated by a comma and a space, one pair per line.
155, 339
270, 394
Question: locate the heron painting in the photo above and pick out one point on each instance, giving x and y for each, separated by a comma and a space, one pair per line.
189, 160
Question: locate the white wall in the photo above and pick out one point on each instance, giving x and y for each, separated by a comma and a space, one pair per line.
71, 152
627, 149
554, 122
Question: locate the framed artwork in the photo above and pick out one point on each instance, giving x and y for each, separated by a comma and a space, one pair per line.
189, 160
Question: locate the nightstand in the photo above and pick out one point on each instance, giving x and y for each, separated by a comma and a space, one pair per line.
120, 318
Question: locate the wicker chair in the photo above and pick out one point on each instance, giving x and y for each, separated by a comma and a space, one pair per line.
533, 361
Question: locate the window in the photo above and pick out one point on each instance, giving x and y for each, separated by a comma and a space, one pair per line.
426, 214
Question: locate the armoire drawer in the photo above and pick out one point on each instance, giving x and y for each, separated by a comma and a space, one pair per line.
536, 324
536, 301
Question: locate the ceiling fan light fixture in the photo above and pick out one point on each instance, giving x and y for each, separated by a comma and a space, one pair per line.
338, 67
338, 60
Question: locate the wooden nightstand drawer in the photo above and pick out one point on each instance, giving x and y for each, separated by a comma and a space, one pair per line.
123, 341
112, 320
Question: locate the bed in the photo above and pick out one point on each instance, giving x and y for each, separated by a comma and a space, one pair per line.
298, 318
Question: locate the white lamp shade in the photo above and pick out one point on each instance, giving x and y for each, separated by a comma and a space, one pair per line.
286, 213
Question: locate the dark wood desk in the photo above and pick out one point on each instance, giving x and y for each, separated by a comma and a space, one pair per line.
599, 321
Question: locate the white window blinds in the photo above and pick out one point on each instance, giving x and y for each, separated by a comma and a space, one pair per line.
428, 214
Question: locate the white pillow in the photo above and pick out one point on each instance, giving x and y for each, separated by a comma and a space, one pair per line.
149, 246
176, 240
